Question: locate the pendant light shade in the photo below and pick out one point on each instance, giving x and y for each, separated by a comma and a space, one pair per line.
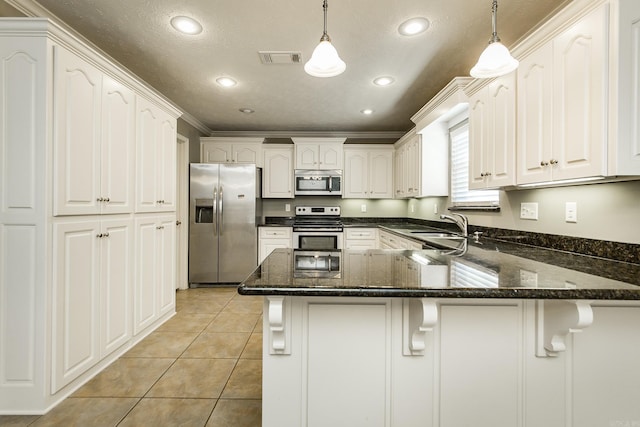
325, 61
495, 60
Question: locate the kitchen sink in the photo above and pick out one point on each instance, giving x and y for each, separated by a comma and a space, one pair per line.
433, 234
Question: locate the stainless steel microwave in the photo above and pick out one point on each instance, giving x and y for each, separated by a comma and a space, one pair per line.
318, 182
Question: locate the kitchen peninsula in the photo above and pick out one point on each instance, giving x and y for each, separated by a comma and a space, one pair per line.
474, 334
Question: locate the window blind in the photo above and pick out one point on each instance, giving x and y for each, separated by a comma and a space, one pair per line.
460, 193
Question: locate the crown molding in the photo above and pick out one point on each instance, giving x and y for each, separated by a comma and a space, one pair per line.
188, 118
311, 134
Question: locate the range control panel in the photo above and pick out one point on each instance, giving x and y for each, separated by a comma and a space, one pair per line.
318, 210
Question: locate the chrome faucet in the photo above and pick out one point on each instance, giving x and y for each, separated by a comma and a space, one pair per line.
458, 219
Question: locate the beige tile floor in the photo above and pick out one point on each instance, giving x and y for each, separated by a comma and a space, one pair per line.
201, 368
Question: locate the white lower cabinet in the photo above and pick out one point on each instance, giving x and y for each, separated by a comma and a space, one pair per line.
361, 238
393, 241
155, 287
425, 362
271, 238
92, 293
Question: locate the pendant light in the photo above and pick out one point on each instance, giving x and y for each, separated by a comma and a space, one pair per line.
495, 60
325, 61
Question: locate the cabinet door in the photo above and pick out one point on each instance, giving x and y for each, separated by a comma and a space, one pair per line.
478, 135
535, 100
268, 245
413, 167
502, 136
399, 172
117, 147
166, 179
330, 156
307, 156
381, 174
76, 299
277, 177
116, 279
356, 174
580, 98
166, 238
247, 153
146, 156
215, 152
76, 147
145, 310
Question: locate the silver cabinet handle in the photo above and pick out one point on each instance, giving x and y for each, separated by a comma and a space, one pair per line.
100, 236
543, 163
178, 222
99, 199
160, 227
553, 161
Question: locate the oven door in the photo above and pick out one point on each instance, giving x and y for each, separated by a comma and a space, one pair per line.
316, 264
317, 240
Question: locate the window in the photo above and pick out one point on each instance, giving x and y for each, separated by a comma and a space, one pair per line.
461, 196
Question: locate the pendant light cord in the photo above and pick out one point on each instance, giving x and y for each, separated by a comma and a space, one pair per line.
325, 36
494, 22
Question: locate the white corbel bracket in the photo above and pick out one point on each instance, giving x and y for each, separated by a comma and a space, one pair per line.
558, 318
279, 319
419, 316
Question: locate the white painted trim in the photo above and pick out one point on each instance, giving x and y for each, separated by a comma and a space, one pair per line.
182, 212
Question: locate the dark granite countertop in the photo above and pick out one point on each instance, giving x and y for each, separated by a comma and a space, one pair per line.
485, 269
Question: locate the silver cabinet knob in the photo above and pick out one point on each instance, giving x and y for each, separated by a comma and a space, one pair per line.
553, 161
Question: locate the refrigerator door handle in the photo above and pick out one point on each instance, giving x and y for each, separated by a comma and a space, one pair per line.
221, 212
215, 211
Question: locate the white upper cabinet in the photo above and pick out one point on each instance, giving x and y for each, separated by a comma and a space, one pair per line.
422, 163
368, 172
117, 182
94, 139
277, 173
562, 104
578, 92
492, 134
231, 150
155, 158
319, 153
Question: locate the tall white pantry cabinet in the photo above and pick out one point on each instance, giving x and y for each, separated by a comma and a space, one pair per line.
87, 213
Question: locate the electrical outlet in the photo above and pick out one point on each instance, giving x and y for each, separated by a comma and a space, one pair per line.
571, 212
529, 211
363, 208
287, 207
435, 208
528, 279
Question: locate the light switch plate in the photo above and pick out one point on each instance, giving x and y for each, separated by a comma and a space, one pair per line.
529, 211
571, 212
363, 208
287, 207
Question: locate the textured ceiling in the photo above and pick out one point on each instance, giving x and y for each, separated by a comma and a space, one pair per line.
137, 33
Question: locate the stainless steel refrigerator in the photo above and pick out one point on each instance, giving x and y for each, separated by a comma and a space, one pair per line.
223, 210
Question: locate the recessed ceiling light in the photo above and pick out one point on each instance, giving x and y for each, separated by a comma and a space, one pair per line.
413, 26
226, 81
186, 25
246, 110
367, 111
383, 81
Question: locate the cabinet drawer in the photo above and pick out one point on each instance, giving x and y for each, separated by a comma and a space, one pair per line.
361, 233
277, 232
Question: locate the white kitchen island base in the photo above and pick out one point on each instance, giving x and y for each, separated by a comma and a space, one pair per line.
351, 361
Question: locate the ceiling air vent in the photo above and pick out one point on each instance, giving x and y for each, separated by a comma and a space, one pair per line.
279, 57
